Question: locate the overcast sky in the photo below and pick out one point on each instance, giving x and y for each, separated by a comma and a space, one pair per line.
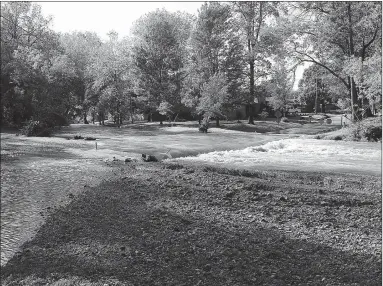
102, 17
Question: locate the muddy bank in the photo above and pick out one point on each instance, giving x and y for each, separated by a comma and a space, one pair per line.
162, 224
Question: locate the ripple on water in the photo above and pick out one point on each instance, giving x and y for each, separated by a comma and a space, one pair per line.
30, 186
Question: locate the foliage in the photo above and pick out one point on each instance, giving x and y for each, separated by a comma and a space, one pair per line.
213, 96
338, 37
165, 108
279, 87
263, 115
158, 51
228, 55
373, 133
36, 128
315, 82
82, 49
365, 130
112, 83
36, 73
251, 17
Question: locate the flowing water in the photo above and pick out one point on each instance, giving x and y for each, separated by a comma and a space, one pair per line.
34, 180
40, 174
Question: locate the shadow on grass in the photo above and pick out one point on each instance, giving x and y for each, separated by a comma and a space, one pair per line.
110, 232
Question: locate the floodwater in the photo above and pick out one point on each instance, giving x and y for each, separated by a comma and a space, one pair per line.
300, 155
35, 179
40, 174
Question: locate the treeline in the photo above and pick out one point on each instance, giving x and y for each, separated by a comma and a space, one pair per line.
229, 55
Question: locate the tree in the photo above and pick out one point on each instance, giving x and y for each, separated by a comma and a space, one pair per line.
317, 86
35, 74
280, 86
82, 48
252, 19
333, 34
158, 51
112, 81
213, 96
214, 47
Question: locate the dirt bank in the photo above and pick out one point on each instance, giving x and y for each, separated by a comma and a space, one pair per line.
163, 224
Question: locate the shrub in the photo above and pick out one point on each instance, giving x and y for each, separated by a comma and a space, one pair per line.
365, 130
36, 128
263, 115
284, 119
373, 133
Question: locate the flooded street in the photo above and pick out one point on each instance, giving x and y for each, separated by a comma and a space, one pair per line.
34, 180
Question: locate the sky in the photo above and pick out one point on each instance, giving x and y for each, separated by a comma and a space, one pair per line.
102, 17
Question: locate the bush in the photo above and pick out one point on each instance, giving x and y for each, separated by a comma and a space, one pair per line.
373, 133
36, 128
263, 115
366, 130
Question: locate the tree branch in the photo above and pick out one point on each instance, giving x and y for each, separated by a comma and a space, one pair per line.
312, 60
365, 47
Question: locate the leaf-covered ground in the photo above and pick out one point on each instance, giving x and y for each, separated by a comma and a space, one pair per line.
165, 224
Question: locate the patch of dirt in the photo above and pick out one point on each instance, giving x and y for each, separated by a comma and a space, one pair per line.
166, 224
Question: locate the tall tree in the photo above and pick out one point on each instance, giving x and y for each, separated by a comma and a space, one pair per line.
215, 47
159, 51
213, 96
35, 74
333, 35
280, 86
252, 19
82, 48
111, 73
317, 87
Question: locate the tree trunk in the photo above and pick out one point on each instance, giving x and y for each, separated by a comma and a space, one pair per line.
316, 96
251, 113
217, 121
251, 99
354, 101
85, 120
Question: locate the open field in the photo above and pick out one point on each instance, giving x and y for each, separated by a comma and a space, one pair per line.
73, 215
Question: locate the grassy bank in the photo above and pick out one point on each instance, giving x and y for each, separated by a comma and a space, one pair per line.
165, 224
